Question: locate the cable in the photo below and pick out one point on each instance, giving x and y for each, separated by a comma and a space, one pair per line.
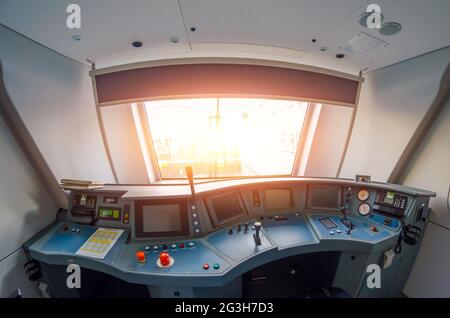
448, 197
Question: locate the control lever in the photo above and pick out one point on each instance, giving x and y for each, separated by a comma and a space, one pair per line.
245, 228
256, 235
348, 224
190, 176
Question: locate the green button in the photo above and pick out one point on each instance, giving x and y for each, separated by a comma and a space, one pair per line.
216, 266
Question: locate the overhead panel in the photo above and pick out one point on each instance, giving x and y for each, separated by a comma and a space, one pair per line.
286, 24
108, 27
425, 26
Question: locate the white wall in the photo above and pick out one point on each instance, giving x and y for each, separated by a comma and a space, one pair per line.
54, 97
393, 101
123, 141
329, 141
25, 209
430, 169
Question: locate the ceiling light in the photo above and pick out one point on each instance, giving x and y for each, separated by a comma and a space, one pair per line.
390, 28
193, 29
76, 37
137, 44
323, 48
174, 40
340, 55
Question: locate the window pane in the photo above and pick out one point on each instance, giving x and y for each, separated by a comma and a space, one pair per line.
225, 137
264, 132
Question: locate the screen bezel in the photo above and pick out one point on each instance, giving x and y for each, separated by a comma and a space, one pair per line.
139, 216
209, 206
321, 208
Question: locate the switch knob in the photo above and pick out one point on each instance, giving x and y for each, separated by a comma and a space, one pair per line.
164, 259
140, 256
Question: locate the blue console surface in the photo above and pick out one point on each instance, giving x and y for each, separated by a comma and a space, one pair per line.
66, 239
239, 245
294, 231
219, 257
193, 259
333, 228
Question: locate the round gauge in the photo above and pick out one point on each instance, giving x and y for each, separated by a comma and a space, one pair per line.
363, 195
364, 209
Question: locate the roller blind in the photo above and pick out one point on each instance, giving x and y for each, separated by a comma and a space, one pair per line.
227, 80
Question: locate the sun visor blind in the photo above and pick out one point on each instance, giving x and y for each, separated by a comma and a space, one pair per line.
226, 80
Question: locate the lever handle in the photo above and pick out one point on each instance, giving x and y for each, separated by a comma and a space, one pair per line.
256, 235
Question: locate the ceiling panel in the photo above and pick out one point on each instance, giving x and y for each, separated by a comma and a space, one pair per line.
425, 28
279, 30
108, 27
288, 23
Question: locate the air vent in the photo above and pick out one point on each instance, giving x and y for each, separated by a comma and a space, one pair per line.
390, 28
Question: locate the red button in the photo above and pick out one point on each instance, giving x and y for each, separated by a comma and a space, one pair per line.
181, 245
205, 266
164, 259
140, 256
373, 229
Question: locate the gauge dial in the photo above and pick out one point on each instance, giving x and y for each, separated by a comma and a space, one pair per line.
364, 209
363, 195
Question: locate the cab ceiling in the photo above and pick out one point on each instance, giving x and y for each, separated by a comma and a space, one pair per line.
267, 29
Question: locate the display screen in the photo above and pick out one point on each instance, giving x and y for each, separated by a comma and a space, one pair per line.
156, 218
389, 198
161, 218
109, 213
226, 207
277, 199
324, 197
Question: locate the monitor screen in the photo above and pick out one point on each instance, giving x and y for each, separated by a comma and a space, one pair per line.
324, 197
161, 218
108, 213
225, 207
278, 199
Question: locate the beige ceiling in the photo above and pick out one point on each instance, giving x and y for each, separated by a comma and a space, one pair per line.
278, 30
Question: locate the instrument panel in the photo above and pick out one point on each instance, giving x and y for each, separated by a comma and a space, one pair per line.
156, 219
167, 239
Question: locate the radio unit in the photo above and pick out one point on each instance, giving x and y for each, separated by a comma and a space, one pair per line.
389, 202
84, 205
